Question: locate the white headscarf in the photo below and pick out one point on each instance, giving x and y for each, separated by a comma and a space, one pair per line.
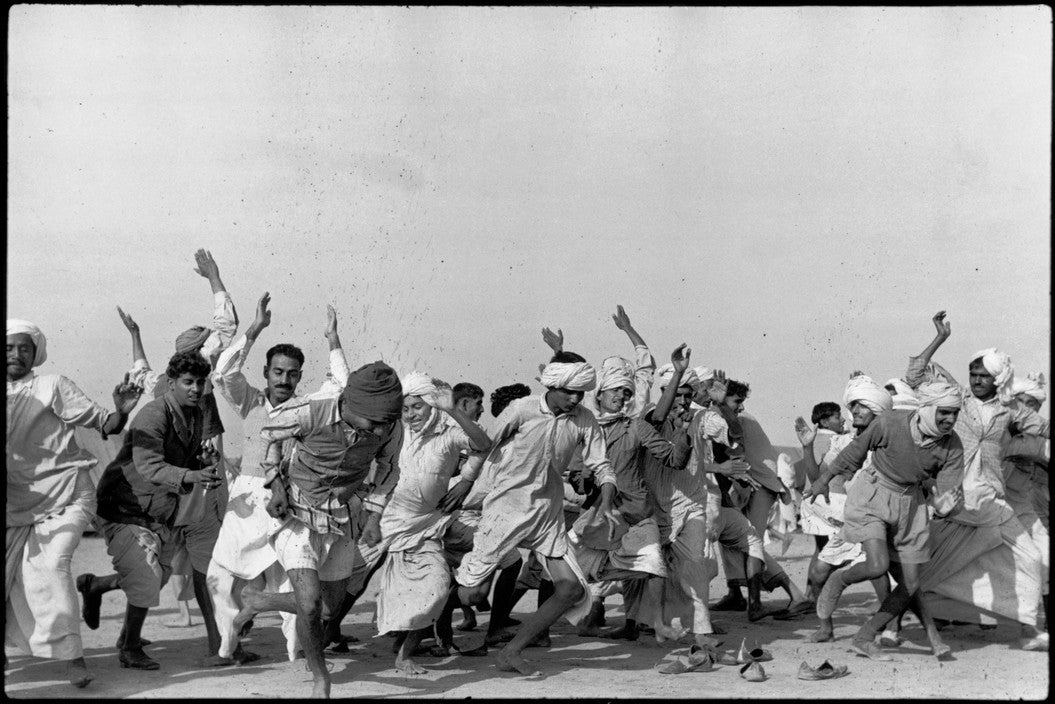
665, 373
418, 384
904, 397
613, 377
1033, 385
573, 376
40, 342
932, 396
862, 389
999, 365
703, 373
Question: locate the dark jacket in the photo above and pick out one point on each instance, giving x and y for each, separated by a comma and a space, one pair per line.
142, 485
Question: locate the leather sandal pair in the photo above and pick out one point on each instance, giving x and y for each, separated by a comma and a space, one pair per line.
826, 671
700, 659
753, 672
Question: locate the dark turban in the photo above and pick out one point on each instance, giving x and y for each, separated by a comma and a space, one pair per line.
374, 392
192, 339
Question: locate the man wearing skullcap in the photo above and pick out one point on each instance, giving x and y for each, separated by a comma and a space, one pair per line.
50, 497
314, 499
986, 535
886, 507
534, 440
637, 556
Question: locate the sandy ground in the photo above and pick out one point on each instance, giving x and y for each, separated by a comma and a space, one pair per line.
986, 665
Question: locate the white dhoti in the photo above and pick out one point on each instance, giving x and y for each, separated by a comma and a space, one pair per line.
42, 614
981, 573
243, 554
414, 587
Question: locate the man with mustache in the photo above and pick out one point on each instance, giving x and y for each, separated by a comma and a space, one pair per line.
50, 497
163, 457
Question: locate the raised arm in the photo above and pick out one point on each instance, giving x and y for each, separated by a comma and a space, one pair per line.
442, 399
228, 379
224, 316
555, 341
917, 365
622, 321
672, 454
140, 374
680, 359
338, 362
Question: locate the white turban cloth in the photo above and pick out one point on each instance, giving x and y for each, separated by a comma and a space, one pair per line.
863, 390
703, 373
932, 396
573, 376
418, 384
1032, 385
614, 377
40, 343
999, 365
665, 373
904, 397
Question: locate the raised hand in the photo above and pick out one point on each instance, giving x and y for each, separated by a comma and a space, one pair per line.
680, 357
622, 320
131, 325
555, 341
805, 433
331, 321
941, 325
717, 390
263, 315
206, 264
126, 396
442, 398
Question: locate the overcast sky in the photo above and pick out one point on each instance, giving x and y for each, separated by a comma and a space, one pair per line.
792, 191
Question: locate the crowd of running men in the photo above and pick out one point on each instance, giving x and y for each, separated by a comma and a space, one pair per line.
588, 490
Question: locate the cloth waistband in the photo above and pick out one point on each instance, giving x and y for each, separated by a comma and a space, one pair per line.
890, 485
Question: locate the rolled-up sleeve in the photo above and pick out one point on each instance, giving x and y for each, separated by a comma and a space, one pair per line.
224, 324
143, 376
853, 456
74, 407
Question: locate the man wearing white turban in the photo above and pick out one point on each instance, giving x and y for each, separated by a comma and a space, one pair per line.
902, 395
50, 497
534, 440
637, 556
986, 534
866, 401
415, 578
886, 507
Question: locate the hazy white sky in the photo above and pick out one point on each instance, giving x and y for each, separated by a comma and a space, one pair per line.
792, 191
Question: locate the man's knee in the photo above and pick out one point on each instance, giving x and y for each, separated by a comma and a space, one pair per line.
570, 591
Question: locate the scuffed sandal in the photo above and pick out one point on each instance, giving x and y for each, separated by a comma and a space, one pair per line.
753, 672
826, 671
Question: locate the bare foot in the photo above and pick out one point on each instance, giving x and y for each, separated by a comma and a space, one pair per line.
540, 641
409, 667
320, 689
870, 650
822, 635
508, 662
77, 672
216, 661
499, 637
588, 631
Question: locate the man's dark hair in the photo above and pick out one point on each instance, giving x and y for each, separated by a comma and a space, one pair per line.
823, 410
567, 358
187, 363
504, 395
737, 388
291, 351
466, 390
